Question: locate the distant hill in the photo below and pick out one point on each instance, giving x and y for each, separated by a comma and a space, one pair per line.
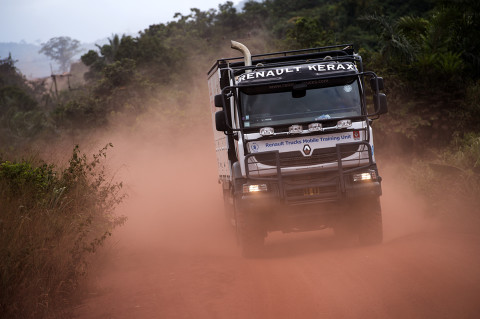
31, 63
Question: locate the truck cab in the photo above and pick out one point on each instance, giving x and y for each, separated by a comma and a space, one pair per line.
294, 142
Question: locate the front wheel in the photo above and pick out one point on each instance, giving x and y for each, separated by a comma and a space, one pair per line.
371, 226
228, 207
250, 230
344, 228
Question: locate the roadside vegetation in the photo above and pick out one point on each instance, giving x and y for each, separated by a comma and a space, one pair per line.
51, 218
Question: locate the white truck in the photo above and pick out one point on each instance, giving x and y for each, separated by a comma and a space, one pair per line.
294, 143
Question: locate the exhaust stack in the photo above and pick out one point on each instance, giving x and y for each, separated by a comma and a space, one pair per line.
245, 51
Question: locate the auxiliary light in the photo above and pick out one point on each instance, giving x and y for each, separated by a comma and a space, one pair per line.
344, 123
295, 129
315, 127
266, 131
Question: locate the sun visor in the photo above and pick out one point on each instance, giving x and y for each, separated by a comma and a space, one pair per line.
312, 75
314, 71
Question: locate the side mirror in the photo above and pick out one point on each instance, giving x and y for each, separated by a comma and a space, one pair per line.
380, 103
376, 83
218, 100
221, 121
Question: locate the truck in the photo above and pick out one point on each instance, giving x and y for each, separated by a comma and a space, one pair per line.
294, 143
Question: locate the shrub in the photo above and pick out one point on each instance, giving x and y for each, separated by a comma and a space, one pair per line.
452, 182
51, 221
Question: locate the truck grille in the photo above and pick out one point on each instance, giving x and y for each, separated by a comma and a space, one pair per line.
296, 158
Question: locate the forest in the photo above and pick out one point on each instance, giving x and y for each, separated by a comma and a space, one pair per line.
427, 51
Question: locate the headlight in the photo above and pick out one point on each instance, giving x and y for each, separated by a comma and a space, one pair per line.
254, 188
266, 131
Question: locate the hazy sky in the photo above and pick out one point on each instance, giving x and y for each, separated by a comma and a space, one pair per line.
36, 21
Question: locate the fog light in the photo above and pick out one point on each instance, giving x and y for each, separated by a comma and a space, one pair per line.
367, 176
254, 188
314, 127
266, 131
344, 123
362, 177
295, 129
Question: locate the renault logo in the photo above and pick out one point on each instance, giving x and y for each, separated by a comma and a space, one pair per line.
307, 149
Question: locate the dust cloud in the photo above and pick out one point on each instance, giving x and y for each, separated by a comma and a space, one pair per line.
176, 257
174, 199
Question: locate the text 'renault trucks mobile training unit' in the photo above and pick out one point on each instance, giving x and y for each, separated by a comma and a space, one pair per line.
294, 142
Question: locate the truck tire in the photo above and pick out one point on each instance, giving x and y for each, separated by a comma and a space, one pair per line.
228, 207
250, 231
344, 228
370, 228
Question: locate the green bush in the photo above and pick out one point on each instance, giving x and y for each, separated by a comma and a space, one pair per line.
452, 181
51, 221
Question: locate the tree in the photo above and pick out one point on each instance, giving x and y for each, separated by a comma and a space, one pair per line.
62, 50
109, 51
8, 72
255, 14
227, 17
304, 32
394, 42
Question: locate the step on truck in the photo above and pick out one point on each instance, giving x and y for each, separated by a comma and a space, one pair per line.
294, 143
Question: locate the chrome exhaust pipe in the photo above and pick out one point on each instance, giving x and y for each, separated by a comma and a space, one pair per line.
245, 51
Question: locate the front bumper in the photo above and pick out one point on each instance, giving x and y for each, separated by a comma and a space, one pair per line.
317, 184
310, 191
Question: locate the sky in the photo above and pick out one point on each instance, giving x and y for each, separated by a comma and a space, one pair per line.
36, 21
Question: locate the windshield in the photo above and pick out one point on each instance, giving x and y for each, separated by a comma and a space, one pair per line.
267, 109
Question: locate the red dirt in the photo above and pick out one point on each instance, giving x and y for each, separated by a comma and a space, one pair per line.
177, 258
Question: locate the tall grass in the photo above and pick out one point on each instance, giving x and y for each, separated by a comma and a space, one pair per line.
51, 219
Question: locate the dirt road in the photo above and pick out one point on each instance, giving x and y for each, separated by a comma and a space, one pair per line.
177, 258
